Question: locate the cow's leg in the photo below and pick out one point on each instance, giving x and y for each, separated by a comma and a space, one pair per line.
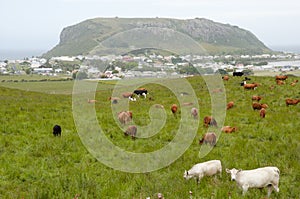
276, 187
245, 188
269, 190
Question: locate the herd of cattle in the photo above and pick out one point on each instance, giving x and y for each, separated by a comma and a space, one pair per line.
257, 178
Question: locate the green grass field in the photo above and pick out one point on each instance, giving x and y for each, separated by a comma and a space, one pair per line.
35, 164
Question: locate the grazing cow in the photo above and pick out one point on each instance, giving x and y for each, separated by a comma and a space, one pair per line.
57, 130
141, 91
125, 117
256, 178
295, 81
127, 94
290, 101
194, 113
262, 113
210, 138
209, 120
174, 109
218, 90
252, 86
228, 129
200, 170
230, 105
247, 78
281, 77
293, 84
279, 82
91, 101
258, 106
114, 100
159, 106
131, 130
226, 78
187, 104
256, 98
238, 73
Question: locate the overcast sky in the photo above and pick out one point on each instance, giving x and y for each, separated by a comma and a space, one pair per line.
36, 24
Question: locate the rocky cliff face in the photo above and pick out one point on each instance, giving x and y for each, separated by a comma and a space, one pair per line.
88, 36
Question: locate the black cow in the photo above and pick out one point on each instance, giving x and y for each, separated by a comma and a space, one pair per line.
238, 73
57, 130
140, 92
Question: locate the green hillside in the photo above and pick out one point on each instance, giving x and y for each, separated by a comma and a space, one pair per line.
120, 35
35, 164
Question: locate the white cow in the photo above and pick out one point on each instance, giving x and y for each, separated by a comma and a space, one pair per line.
256, 178
200, 170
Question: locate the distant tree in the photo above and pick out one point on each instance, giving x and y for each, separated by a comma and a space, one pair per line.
248, 72
115, 71
222, 72
28, 71
81, 75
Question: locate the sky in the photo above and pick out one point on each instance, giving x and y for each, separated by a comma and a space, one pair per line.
35, 25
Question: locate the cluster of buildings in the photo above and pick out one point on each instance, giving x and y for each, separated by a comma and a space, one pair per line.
148, 65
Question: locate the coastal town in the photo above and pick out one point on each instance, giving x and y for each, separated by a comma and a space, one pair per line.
150, 65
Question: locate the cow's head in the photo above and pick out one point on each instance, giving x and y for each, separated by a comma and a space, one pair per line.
186, 175
233, 172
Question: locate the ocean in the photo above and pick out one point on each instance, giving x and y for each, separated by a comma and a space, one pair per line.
19, 54
286, 48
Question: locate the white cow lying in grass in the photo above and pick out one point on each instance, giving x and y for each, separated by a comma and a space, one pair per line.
256, 178
200, 170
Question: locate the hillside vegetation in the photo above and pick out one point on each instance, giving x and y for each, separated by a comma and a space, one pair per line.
101, 36
35, 164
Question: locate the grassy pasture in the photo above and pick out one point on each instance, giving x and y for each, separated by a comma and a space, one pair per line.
34, 164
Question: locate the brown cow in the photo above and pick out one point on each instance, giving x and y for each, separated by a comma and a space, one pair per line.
230, 105
209, 120
125, 117
279, 82
250, 86
127, 94
229, 129
174, 109
281, 77
226, 78
210, 138
258, 106
159, 106
131, 130
262, 113
194, 113
290, 101
91, 101
256, 98
114, 100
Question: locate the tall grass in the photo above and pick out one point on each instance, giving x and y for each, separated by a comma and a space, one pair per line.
35, 164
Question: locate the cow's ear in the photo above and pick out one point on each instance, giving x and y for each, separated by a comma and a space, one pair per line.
239, 170
227, 170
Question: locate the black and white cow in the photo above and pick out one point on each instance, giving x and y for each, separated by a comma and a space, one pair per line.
142, 92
